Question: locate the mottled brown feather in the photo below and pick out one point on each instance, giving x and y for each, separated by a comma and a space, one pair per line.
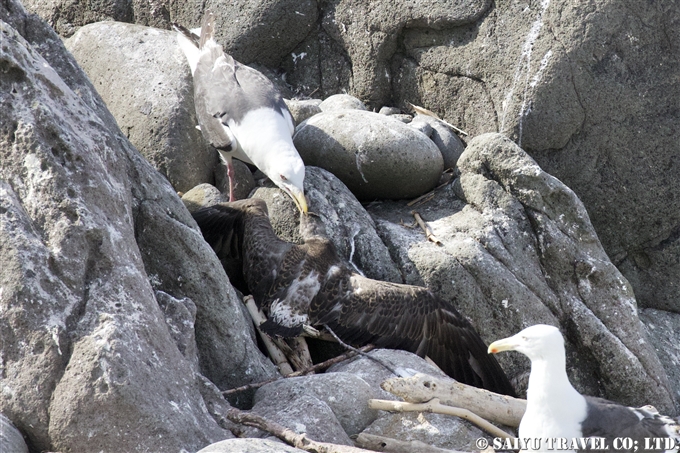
359, 309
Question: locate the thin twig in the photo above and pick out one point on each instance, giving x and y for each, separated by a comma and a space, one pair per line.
384, 363
428, 232
312, 369
287, 435
424, 111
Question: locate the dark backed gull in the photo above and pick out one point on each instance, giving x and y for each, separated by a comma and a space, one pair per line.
556, 411
310, 285
241, 113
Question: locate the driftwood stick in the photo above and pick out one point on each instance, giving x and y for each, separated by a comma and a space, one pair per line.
287, 435
428, 232
420, 388
387, 444
436, 407
318, 367
275, 353
426, 112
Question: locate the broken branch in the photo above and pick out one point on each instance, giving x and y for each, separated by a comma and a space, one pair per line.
420, 388
428, 232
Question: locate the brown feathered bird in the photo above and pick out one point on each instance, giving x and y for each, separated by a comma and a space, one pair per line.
309, 284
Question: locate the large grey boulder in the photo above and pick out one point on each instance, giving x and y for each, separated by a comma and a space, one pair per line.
518, 249
663, 331
376, 156
346, 394
262, 31
144, 78
89, 230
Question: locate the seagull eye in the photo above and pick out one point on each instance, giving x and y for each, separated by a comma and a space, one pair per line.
283, 178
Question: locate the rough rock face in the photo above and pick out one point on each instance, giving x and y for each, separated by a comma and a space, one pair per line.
263, 31
89, 229
589, 89
522, 251
374, 155
144, 78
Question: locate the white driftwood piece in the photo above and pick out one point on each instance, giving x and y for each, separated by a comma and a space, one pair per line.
421, 388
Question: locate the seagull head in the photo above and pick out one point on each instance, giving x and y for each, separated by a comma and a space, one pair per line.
289, 175
536, 342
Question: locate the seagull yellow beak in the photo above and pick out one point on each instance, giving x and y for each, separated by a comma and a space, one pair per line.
299, 198
506, 344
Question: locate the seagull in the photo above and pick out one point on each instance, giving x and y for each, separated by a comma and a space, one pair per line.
309, 285
556, 411
241, 113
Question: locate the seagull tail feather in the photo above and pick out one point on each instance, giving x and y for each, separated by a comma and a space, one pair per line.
186, 33
207, 28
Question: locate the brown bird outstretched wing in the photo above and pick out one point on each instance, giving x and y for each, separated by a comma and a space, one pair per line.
361, 310
222, 228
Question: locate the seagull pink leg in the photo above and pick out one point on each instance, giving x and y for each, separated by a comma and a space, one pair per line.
232, 183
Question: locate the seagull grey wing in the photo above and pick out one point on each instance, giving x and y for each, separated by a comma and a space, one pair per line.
610, 420
260, 91
361, 310
222, 228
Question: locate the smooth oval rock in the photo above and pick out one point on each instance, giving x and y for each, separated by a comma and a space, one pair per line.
376, 156
341, 102
250, 445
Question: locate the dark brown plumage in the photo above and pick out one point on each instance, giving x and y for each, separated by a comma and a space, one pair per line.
310, 284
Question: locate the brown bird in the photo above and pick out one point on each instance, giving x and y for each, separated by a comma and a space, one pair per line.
310, 285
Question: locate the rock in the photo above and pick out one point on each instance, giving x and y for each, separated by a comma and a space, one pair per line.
375, 374
385, 110
144, 78
663, 329
376, 156
66, 16
446, 140
263, 31
346, 394
88, 231
203, 195
303, 109
308, 415
518, 249
180, 317
11, 440
338, 102
347, 223
250, 446
437, 430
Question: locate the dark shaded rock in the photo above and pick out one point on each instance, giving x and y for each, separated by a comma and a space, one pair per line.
11, 440
520, 250
144, 78
375, 155
663, 331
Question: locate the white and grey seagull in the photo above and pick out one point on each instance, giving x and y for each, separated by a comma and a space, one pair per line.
241, 113
556, 411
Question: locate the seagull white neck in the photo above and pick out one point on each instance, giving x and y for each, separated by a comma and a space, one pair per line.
554, 407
